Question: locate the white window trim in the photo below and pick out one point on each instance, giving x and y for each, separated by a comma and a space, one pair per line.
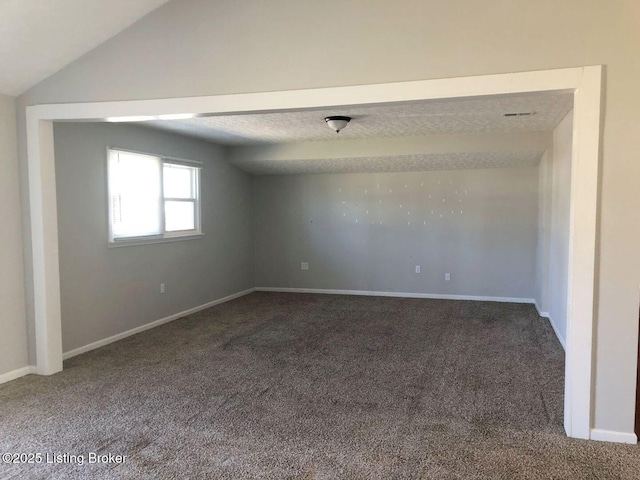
164, 237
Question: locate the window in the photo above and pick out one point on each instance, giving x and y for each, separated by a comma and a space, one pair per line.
152, 198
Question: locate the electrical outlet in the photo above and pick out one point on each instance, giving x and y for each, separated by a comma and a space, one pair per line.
447, 277
304, 266
162, 288
417, 268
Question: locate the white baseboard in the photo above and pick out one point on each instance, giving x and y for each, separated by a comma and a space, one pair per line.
553, 325
611, 436
148, 326
557, 332
540, 312
371, 293
20, 372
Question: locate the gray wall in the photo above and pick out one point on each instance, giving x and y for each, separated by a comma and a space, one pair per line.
235, 47
106, 291
369, 231
13, 340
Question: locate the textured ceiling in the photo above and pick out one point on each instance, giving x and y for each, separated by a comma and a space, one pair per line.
400, 120
39, 37
398, 163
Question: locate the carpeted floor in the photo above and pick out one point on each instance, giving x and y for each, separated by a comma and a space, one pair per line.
314, 386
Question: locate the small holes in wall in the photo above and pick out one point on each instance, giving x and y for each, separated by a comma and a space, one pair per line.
420, 192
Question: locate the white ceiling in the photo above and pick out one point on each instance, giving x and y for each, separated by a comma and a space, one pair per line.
450, 116
39, 37
403, 122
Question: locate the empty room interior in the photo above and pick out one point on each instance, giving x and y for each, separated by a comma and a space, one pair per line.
236, 249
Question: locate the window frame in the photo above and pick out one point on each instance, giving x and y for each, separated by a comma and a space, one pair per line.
164, 236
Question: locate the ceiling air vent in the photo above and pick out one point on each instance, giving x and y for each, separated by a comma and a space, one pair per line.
519, 114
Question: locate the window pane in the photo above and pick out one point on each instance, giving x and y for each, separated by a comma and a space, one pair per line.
178, 181
134, 183
179, 216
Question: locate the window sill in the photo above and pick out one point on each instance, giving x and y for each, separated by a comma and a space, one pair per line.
150, 241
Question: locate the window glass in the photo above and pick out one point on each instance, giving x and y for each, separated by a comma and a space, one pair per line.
136, 195
179, 216
178, 181
152, 197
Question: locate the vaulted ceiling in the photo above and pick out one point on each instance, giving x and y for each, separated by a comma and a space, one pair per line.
39, 37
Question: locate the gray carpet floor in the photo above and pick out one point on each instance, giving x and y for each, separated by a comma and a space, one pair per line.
314, 387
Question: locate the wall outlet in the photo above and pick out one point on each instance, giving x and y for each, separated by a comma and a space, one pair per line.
447, 277
304, 266
417, 268
162, 288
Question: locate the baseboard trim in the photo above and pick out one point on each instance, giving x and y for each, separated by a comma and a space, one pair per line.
557, 332
540, 312
156, 323
553, 325
370, 293
612, 436
20, 372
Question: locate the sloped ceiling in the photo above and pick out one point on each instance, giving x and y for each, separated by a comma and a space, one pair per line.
39, 37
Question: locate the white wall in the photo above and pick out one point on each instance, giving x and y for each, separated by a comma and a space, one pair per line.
233, 47
13, 340
559, 228
369, 231
544, 232
552, 274
106, 291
